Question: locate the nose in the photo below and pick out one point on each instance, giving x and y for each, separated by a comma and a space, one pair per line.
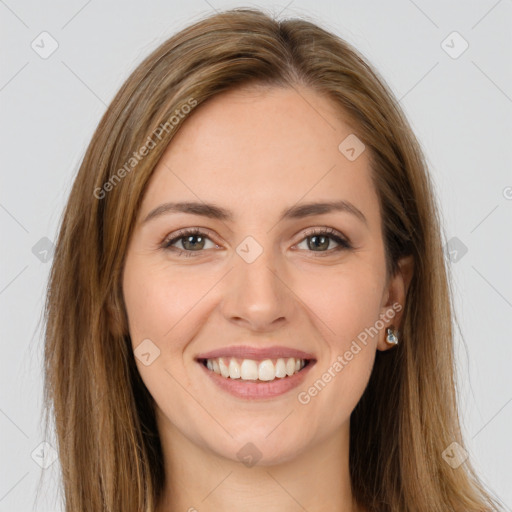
257, 296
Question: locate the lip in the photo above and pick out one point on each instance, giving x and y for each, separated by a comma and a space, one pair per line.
252, 390
256, 353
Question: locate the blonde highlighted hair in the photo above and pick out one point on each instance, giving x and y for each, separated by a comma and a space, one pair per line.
108, 443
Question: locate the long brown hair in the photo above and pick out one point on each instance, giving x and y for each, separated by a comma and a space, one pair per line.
108, 443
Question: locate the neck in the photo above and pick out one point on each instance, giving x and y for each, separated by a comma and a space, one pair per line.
200, 480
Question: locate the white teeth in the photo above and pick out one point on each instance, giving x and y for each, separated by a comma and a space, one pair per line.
290, 366
280, 368
234, 369
249, 369
266, 370
224, 370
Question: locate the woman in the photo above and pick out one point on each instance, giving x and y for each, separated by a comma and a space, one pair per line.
248, 307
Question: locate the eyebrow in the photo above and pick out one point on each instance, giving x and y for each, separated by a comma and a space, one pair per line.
213, 211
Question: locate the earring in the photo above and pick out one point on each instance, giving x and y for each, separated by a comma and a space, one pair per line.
392, 336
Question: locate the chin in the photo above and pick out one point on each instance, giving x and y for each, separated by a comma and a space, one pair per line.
258, 451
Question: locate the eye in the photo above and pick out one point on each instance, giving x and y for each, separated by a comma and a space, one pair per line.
193, 241
319, 238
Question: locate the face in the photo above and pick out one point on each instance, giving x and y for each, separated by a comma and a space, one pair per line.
310, 281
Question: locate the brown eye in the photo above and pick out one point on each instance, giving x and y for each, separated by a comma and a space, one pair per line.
319, 241
192, 240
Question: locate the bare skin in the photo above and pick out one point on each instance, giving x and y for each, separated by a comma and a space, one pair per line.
256, 152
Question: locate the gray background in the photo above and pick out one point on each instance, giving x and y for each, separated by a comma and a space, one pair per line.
460, 109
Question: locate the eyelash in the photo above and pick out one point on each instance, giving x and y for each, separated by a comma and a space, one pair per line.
333, 234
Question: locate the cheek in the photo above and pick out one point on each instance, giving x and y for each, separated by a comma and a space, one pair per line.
156, 300
157, 303
347, 307
345, 302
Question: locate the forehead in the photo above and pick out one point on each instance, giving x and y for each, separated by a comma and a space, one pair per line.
262, 149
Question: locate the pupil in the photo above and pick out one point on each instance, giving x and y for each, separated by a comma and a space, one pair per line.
188, 240
324, 238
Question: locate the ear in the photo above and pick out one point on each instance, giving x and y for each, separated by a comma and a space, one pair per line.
394, 299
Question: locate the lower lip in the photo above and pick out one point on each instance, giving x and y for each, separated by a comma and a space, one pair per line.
258, 390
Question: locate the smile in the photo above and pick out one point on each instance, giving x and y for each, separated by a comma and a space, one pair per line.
250, 369
255, 388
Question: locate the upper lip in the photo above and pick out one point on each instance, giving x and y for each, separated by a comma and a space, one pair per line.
257, 353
